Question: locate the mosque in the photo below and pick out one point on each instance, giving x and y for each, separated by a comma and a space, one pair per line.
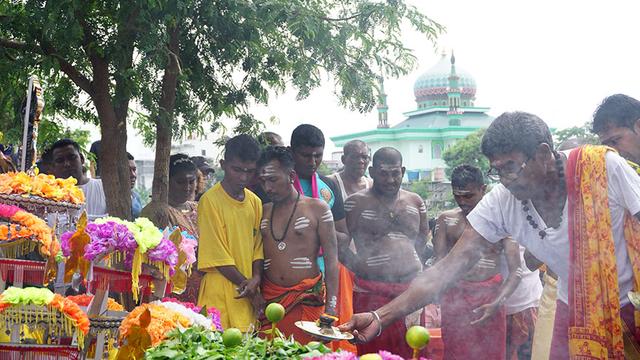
445, 113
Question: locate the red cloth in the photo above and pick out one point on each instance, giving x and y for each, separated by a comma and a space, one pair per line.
303, 301
463, 340
371, 295
520, 328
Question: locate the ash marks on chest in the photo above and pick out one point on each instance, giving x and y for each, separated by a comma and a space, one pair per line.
451, 220
301, 263
301, 224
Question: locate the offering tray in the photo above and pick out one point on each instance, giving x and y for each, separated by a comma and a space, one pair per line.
37, 204
311, 328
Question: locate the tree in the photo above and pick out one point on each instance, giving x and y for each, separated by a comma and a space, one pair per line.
184, 62
582, 133
466, 151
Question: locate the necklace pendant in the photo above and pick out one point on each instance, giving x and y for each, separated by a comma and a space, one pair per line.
282, 245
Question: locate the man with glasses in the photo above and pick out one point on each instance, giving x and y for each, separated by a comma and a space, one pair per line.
580, 225
230, 244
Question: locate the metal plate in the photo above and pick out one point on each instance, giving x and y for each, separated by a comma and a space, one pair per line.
311, 328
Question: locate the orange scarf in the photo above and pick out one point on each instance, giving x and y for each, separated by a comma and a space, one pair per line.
595, 328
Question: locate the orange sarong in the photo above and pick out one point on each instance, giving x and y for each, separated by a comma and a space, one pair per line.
303, 301
595, 328
345, 306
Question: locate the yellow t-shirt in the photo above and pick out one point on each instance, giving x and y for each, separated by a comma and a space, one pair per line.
229, 235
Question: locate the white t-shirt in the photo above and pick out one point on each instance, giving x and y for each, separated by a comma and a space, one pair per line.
500, 214
528, 292
95, 201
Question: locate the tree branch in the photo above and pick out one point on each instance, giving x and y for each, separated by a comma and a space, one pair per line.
47, 50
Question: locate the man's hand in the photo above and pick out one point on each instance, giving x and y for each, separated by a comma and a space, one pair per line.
487, 311
258, 303
364, 327
248, 288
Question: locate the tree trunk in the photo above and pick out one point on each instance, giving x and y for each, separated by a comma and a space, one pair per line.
113, 154
164, 121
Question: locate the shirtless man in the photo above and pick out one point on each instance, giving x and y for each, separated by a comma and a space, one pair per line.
389, 226
294, 227
356, 157
468, 333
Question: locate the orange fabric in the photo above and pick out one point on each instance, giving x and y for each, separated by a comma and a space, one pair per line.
595, 329
345, 306
303, 301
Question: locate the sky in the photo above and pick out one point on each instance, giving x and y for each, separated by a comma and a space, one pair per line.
556, 59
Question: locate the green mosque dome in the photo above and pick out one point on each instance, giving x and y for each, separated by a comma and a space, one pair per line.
430, 89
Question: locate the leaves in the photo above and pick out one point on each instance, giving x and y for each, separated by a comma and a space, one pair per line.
198, 343
466, 151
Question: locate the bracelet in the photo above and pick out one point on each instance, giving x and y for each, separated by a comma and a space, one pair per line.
377, 317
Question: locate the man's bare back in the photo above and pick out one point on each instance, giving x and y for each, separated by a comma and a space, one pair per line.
387, 236
449, 228
293, 259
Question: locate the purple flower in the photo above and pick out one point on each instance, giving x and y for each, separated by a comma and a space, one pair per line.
65, 244
385, 355
165, 252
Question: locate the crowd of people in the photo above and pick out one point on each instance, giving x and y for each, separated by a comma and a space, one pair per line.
275, 230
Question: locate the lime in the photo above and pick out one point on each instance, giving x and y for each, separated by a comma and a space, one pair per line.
274, 312
417, 337
370, 357
232, 337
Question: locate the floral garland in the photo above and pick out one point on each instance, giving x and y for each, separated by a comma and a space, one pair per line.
194, 317
212, 312
85, 300
163, 320
29, 225
106, 238
42, 185
139, 242
73, 315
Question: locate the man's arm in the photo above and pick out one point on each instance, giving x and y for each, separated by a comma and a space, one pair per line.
531, 261
424, 288
440, 238
327, 235
423, 231
512, 253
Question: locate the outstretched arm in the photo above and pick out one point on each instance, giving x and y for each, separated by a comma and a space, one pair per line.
512, 253
327, 236
423, 289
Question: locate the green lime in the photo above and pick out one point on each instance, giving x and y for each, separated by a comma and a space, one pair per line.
417, 337
232, 337
274, 312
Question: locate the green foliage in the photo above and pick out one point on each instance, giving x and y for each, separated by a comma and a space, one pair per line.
466, 151
49, 132
198, 343
420, 187
582, 133
324, 170
231, 52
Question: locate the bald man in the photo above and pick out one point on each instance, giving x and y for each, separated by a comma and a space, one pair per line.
389, 227
356, 157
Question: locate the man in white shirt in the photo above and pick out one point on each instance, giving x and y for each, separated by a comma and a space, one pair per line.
66, 160
530, 205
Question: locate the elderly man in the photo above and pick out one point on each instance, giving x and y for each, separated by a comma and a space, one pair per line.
355, 157
580, 225
389, 226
